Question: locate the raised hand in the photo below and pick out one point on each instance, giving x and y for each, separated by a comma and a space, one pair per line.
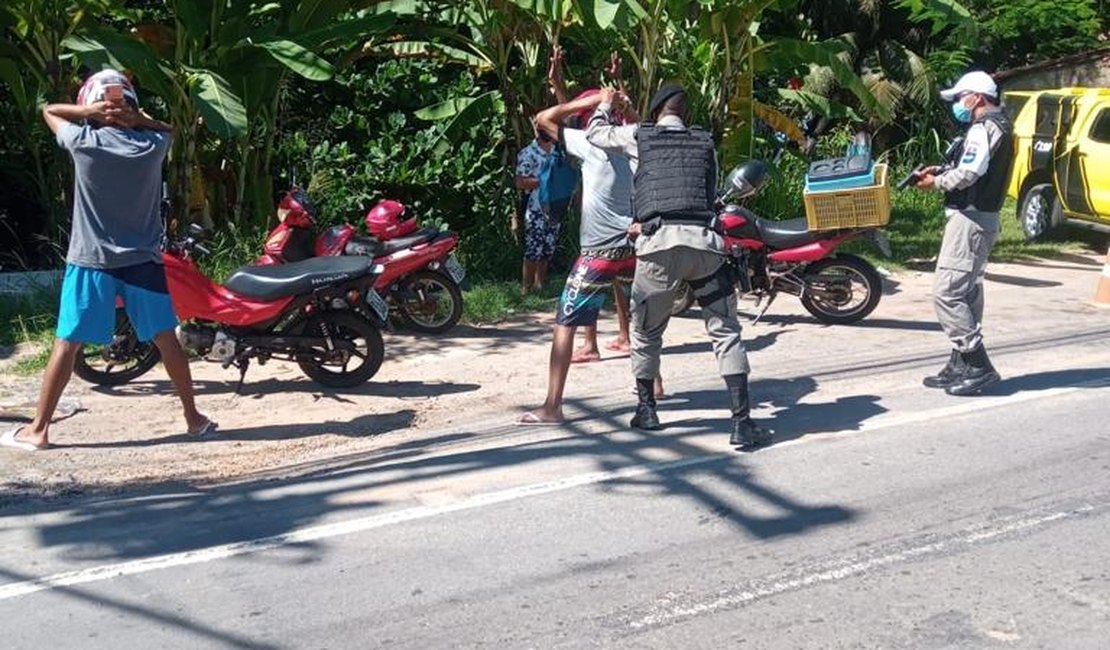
614, 70
122, 115
555, 65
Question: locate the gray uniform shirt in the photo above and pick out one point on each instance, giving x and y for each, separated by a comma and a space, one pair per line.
606, 193
117, 195
622, 139
981, 142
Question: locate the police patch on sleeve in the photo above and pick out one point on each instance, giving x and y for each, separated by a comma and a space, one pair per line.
971, 152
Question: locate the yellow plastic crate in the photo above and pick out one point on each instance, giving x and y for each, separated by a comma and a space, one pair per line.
861, 207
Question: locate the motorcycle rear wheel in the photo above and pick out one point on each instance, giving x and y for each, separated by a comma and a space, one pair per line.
841, 290
331, 368
125, 359
429, 302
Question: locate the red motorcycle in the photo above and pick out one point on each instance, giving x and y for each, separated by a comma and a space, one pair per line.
420, 279
322, 313
774, 257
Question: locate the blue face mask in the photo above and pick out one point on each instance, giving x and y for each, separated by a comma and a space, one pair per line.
961, 113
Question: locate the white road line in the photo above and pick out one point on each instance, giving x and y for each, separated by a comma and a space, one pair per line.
313, 533
841, 571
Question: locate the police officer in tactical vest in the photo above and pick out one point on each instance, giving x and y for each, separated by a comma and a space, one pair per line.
675, 189
974, 183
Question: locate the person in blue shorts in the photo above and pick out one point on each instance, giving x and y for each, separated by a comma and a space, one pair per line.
115, 244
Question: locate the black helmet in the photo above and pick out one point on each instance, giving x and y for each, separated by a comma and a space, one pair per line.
746, 178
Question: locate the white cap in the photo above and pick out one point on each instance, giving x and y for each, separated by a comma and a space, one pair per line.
977, 82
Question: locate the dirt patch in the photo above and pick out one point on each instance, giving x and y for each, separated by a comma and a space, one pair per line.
134, 434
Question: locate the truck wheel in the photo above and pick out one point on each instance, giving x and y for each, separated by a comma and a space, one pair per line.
1037, 210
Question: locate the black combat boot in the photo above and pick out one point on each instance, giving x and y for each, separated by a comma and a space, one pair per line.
645, 417
977, 374
947, 374
746, 434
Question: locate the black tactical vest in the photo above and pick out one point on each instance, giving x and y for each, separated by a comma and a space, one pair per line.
989, 192
675, 180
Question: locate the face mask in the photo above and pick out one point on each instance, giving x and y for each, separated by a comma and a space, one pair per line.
961, 112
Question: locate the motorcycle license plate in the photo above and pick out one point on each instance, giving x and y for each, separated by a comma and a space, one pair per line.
454, 269
377, 304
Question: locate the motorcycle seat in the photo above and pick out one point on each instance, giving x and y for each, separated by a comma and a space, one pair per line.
790, 233
269, 283
419, 237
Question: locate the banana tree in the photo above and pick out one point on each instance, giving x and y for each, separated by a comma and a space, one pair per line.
901, 49
35, 69
504, 39
715, 47
222, 65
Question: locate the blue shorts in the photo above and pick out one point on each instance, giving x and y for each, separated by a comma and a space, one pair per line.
87, 312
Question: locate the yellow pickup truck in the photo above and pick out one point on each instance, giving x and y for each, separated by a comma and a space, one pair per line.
1062, 168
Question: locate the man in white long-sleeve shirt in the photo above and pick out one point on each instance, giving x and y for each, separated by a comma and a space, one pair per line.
675, 187
974, 184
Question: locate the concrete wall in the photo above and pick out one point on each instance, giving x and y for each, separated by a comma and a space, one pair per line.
29, 283
1093, 73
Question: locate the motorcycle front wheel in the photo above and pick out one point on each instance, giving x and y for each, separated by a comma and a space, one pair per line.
342, 368
841, 290
124, 359
429, 302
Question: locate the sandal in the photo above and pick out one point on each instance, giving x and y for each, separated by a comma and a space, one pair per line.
8, 439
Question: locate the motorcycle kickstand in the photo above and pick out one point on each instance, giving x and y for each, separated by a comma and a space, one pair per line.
770, 299
242, 365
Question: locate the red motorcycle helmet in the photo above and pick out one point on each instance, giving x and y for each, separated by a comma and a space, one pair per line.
386, 220
296, 209
581, 119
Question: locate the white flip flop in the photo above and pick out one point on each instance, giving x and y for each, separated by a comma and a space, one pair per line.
208, 428
8, 439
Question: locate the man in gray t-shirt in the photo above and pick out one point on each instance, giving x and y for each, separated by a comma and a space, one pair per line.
122, 163
115, 244
606, 252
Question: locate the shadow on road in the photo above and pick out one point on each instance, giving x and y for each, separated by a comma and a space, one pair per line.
753, 344
372, 424
867, 323
1018, 281
793, 419
1087, 377
189, 626
176, 516
259, 389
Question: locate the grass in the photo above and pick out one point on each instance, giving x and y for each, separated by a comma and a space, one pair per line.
494, 302
29, 319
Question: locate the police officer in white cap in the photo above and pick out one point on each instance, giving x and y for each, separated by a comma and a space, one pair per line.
974, 184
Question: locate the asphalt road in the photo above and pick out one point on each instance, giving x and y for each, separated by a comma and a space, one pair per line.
887, 516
